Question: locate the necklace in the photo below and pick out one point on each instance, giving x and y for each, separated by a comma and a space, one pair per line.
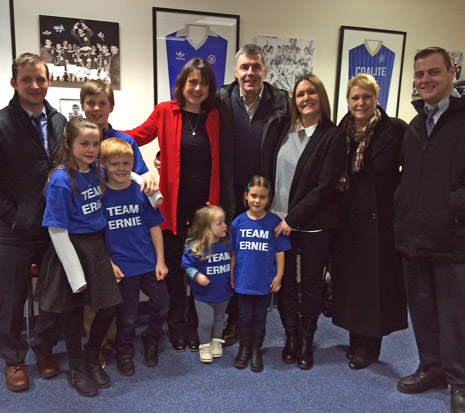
193, 129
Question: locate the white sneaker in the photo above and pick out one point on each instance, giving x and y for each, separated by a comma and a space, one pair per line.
205, 353
217, 347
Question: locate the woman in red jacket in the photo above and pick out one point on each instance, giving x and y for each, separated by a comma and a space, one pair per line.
187, 129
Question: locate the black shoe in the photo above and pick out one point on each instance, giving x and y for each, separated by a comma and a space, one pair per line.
125, 365
305, 356
289, 353
242, 359
179, 345
421, 381
82, 382
101, 378
353, 342
149, 351
193, 345
256, 360
230, 333
457, 400
358, 363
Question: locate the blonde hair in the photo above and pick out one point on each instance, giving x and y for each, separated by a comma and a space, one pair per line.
115, 147
201, 233
364, 81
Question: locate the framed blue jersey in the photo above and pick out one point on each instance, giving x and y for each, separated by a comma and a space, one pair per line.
180, 48
182, 35
377, 63
375, 52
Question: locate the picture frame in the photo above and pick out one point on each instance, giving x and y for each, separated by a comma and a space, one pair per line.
78, 49
288, 58
180, 35
71, 108
374, 51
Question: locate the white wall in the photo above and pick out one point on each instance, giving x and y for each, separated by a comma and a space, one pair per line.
5, 53
427, 23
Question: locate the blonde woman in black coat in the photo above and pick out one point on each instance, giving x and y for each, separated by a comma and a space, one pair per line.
368, 288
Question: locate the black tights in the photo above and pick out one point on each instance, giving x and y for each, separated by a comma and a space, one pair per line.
73, 322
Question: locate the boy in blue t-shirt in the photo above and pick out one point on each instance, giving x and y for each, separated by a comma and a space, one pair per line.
98, 102
135, 244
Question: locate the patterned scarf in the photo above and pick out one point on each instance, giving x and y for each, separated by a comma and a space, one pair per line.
363, 140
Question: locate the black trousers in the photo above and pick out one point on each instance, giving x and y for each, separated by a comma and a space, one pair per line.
16, 257
182, 317
158, 303
73, 324
314, 248
436, 300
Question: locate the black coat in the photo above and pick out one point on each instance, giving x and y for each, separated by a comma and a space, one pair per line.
312, 196
279, 102
368, 287
430, 201
24, 167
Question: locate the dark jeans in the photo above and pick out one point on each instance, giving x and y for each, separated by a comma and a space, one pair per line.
180, 326
436, 300
16, 257
314, 248
158, 303
253, 310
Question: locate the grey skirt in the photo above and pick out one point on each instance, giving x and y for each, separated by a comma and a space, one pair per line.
53, 291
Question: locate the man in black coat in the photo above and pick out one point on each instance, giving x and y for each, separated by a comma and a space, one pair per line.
251, 114
430, 228
31, 132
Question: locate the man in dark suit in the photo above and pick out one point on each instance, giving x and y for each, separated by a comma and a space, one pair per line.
31, 132
430, 228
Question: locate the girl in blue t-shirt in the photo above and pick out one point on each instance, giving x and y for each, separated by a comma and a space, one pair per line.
257, 265
76, 270
207, 263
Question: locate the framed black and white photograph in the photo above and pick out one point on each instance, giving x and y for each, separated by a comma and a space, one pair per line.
287, 58
376, 52
181, 35
71, 108
76, 50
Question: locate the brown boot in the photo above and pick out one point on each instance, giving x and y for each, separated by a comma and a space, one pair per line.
230, 333
16, 377
47, 365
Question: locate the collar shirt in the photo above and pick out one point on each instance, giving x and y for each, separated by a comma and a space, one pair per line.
251, 109
442, 106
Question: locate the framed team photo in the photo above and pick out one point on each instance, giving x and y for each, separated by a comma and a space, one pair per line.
181, 35
77, 49
376, 52
287, 59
